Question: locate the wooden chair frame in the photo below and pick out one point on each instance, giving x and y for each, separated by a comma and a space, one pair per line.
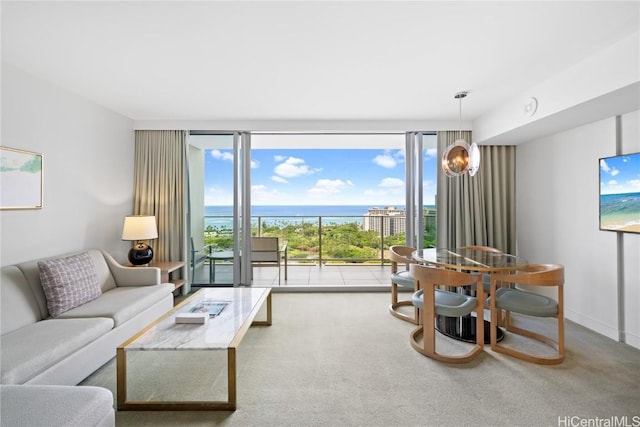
542, 275
428, 279
401, 255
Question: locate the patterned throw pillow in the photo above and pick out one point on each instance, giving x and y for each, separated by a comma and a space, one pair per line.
69, 282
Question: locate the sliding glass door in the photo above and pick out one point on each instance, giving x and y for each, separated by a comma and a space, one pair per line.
331, 199
216, 189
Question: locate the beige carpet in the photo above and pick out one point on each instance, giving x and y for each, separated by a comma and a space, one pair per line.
340, 359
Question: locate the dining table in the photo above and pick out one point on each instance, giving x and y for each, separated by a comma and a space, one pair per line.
467, 260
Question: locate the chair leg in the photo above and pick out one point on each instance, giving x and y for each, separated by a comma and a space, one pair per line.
427, 332
395, 304
542, 360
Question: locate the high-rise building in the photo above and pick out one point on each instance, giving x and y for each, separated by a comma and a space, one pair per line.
388, 220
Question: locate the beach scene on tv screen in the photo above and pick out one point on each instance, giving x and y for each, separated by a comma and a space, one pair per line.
620, 193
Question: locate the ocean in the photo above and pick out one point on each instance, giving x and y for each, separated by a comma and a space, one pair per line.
619, 210
219, 216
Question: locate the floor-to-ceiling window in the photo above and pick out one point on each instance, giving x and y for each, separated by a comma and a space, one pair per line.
331, 198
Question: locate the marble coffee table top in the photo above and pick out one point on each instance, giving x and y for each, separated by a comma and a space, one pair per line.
219, 331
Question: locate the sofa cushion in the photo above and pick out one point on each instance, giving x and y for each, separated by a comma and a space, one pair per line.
121, 303
32, 349
56, 406
68, 282
18, 305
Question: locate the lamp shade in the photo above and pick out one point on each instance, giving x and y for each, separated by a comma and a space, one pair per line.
474, 159
455, 160
136, 228
139, 227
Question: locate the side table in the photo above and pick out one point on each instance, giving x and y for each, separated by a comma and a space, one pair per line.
168, 267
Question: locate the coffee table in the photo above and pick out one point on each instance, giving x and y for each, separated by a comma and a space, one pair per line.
223, 332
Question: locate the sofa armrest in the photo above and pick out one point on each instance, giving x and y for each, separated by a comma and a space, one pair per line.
132, 276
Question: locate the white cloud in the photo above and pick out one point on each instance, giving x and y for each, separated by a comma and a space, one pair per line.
635, 183
324, 187
260, 194
217, 154
431, 153
385, 161
612, 182
279, 159
605, 168
391, 182
293, 167
279, 179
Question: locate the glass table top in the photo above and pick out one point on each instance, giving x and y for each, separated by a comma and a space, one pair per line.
469, 259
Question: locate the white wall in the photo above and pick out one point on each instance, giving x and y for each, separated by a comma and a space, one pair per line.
88, 170
557, 216
608, 80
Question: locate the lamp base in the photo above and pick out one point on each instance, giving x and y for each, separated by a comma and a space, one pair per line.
140, 254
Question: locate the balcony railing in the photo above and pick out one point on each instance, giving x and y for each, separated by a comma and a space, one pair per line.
363, 239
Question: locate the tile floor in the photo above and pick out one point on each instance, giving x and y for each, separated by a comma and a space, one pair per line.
305, 276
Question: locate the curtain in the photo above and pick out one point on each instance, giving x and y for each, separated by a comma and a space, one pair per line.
480, 209
160, 178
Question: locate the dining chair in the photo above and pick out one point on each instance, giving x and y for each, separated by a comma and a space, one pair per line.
432, 301
507, 296
401, 258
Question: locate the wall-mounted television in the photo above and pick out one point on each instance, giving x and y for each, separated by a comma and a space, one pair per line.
620, 193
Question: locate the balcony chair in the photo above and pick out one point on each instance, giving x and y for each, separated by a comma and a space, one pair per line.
401, 255
508, 296
266, 251
198, 256
432, 302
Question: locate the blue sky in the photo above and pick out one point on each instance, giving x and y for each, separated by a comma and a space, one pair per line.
620, 174
318, 177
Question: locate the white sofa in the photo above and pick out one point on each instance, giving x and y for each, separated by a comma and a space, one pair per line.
55, 406
38, 349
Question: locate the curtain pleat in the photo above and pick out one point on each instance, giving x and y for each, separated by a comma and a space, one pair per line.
160, 186
478, 210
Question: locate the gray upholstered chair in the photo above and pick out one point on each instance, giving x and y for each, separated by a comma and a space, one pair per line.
432, 301
508, 297
400, 257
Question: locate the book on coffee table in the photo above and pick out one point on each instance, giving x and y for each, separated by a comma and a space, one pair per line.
213, 307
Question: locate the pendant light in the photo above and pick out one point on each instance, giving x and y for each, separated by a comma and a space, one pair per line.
459, 157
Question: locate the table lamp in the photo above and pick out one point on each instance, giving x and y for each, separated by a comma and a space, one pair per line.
137, 228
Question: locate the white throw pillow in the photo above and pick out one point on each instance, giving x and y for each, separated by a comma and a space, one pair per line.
69, 282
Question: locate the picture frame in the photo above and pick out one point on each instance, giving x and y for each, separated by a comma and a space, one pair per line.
620, 193
21, 179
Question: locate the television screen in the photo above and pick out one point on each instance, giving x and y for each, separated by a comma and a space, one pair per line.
620, 193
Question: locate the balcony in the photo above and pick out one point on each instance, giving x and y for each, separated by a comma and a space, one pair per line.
325, 252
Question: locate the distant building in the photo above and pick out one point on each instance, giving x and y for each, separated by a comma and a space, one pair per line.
393, 220
388, 220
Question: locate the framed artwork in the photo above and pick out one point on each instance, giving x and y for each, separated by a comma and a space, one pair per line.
20, 179
620, 193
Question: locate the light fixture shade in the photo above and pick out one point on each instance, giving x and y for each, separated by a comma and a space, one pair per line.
136, 228
139, 227
455, 160
474, 159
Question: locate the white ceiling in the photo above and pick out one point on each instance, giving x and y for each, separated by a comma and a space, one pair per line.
302, 60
